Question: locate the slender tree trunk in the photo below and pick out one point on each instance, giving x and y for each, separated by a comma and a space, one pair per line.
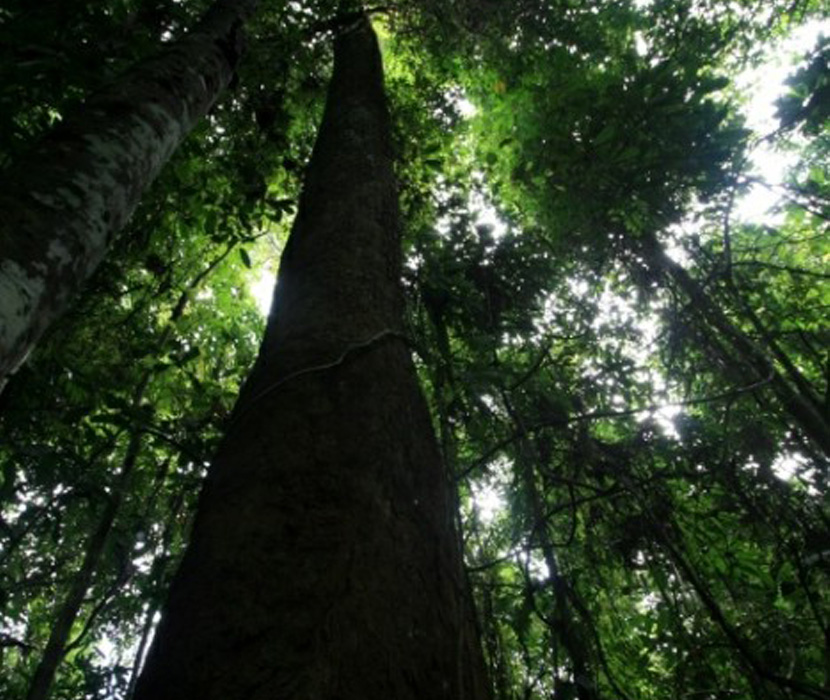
63, 204
56, 647
323, 562
565, 623
68, 612
146, 630
757, 673
801, 409
159, 572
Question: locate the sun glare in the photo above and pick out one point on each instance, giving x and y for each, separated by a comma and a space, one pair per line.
765, 84
262, 290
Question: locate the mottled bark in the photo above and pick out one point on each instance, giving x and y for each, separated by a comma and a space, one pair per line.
67, 614
323, 562
64, 202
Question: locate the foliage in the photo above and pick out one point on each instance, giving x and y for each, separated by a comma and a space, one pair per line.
642, 516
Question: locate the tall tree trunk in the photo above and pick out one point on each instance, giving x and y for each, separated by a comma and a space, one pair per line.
63, 203
323, 562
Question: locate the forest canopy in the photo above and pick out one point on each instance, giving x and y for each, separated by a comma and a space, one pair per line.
627, 368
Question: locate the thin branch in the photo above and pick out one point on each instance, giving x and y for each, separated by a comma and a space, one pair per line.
785, 192
8, 641
781, 268
597, 415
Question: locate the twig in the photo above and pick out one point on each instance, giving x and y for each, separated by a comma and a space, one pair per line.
596, 415
7, 641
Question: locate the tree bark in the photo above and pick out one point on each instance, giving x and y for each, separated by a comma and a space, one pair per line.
65, 201
323, 562
56, 647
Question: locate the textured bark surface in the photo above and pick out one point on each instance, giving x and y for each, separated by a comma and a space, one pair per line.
63, 203
324, 562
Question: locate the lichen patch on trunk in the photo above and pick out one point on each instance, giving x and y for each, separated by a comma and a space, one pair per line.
66, 200
19, 292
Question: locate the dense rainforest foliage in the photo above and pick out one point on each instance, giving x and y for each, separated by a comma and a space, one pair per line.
629, 375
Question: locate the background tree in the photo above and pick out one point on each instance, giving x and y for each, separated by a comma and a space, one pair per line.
67, 197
